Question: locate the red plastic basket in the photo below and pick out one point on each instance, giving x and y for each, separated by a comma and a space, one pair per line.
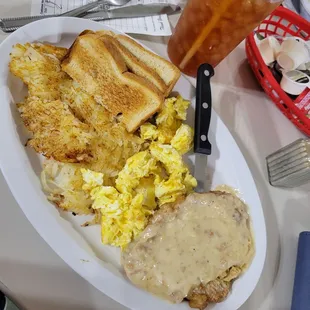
282, 22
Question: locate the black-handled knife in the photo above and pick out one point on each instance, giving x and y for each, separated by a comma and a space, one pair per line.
203, 111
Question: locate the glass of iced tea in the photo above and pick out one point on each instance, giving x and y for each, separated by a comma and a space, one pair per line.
208, 30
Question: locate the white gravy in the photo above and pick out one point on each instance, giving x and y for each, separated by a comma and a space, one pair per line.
206, 235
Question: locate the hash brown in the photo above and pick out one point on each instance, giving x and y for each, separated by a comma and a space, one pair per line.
56, 132
39, 67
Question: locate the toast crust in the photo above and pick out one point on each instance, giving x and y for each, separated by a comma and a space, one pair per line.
100, 70
166, 71
135, 65
161, 66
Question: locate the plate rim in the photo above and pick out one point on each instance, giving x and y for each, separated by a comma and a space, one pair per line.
89, 271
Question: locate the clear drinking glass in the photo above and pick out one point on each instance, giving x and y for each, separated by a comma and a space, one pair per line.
208, 30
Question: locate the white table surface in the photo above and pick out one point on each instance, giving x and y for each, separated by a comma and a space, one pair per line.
37, 279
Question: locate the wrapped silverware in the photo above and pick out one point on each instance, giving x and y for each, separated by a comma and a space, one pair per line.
10, 24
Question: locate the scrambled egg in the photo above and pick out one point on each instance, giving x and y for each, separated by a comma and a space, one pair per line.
167, 121
181, 106
91, 179
183, 139
168, 156
169, 125
123, 216
119, 227
149, 179
148, 131
138, 166
146, 187
170, 118
180, 181
125, 208
177, 185
169, 190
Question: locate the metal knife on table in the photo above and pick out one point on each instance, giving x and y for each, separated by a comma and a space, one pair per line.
12, 23
203, 110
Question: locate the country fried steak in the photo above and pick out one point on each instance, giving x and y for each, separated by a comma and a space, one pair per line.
193, 249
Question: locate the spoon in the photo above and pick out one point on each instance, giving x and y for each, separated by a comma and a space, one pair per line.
85, 8
78, 12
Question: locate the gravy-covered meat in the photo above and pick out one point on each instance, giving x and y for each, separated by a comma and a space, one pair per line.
214, 291
192, 250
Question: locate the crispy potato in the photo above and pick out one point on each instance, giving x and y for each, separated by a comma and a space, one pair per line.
38, 65
56, 132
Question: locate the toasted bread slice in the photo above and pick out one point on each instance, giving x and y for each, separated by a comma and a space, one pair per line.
168, 72
100, 70
134, 64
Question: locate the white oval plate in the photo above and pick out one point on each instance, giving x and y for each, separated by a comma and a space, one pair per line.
80, 247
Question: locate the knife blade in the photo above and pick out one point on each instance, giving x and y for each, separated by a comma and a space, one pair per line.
12, 23
134, 11
203, 110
